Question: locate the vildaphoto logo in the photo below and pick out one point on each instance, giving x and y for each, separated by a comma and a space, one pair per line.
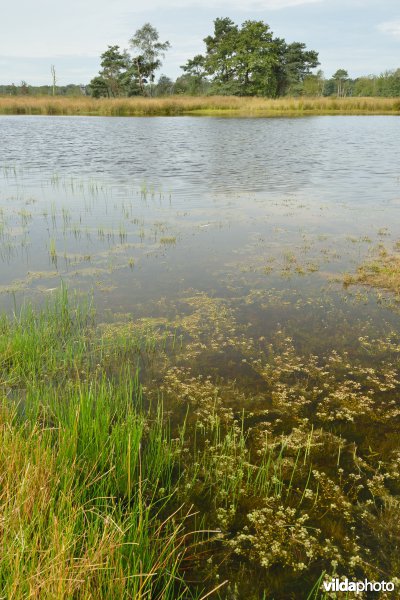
344, 585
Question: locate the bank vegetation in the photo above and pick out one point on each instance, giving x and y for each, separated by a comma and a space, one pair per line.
199, 105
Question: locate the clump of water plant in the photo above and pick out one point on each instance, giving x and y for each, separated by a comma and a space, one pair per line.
295, 473
383, 271
168, 241
88, 478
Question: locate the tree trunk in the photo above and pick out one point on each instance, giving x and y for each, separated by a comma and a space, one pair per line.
140, 77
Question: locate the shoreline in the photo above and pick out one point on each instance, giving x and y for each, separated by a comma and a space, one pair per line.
229, 106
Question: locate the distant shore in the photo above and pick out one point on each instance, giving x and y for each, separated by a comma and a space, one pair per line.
197, 105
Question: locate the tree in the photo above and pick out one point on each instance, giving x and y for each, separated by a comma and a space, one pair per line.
124, 75
195, 66
12, 90
114, 63
98, 87
340, 78
53, 77
388, 83
294, 65
366, 86
191, 85
24, 88
150, 51
115, 77
219, 51
239, 60
248, 60
165, 86
108, 83
314, 84
194, 81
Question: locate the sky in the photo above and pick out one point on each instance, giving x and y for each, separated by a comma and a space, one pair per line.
361, 36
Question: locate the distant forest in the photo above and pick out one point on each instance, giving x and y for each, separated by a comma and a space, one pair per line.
385, 85
245, 60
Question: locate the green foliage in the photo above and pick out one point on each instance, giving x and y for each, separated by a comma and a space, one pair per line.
164, 87
249, 61
150, 51
70, 89
365, 86
124, 75
98, 87
114, 77
24, 88
341, 78
81, 468
103, 494
314, 84
295, 65
194, 81
385, 85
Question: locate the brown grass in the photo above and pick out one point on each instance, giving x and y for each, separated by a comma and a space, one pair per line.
183, 105
383, 272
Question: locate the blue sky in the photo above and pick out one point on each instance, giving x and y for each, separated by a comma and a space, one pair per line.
362, 36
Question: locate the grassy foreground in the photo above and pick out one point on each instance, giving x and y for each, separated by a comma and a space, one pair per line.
87, 478
186, 105
105, 496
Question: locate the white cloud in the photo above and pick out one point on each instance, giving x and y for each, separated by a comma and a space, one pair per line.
390, 27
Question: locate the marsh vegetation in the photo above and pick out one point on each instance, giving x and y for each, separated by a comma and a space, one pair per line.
382, 271
188, 105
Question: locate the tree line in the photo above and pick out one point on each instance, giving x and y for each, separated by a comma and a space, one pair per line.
244, 60
24, 89
241, 60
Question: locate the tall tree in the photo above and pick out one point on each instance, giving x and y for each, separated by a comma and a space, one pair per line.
248, 60
124, 75
150, 51
111, 80
340, 78
54, 79
219, 50
294, 64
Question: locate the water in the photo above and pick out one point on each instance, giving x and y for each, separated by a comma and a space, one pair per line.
148, 208
228, 239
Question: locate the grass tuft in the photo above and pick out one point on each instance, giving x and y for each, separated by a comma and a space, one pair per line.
81, 466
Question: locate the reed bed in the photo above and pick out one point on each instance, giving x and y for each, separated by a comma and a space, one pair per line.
186, 105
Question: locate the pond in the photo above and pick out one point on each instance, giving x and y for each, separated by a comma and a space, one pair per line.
231, 236
144, 212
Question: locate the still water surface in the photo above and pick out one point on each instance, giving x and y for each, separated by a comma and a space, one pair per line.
142, 209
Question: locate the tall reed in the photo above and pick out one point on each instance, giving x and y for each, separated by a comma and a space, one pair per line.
181, 105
